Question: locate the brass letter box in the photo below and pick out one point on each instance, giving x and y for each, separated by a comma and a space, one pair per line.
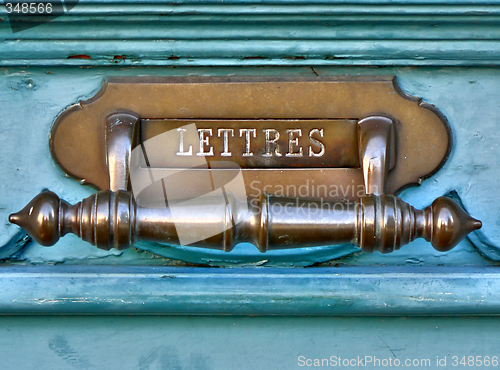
280, 163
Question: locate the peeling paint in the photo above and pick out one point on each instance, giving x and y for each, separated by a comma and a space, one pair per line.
79, 56
14, 245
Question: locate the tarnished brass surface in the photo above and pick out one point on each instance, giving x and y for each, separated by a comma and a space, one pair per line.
120, 133
377, 151
420, 139
381, 223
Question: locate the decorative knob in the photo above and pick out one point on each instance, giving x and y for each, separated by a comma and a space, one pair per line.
110, 219
40, 218
104, 219
450, 224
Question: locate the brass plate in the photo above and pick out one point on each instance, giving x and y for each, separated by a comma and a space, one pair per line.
423, 140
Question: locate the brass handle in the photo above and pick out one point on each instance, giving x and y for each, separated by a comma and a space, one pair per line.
384, 223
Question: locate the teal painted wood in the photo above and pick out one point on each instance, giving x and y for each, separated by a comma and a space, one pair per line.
181, 29
243, 343
158, 52
159, 290
43, 75
241, 33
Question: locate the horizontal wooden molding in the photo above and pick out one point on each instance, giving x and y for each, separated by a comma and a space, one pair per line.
249, 291
234, 33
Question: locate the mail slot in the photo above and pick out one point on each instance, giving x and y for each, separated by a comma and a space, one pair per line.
255, 143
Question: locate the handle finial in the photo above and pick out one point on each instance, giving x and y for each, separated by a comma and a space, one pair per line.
450, 224
40, 218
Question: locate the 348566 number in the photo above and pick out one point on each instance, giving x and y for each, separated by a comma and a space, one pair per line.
474, 361
29, 8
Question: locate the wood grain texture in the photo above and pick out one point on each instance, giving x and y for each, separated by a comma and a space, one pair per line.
244, 33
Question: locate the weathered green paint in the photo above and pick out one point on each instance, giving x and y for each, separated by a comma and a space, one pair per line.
231, 52
243, 343
423, 40
244, 33
118, 290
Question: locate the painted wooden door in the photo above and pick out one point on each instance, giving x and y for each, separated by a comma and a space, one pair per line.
165, 307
